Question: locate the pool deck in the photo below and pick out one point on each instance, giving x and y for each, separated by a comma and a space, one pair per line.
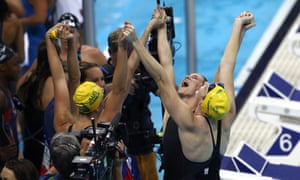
276, 52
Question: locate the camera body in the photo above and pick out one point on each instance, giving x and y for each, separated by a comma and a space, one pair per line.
152, 44
170, 22
98, 160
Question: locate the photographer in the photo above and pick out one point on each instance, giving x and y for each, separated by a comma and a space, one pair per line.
64, 148
135, 112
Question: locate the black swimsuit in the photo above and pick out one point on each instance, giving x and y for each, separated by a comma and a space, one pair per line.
178, 167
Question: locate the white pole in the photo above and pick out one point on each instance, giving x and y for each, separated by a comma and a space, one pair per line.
191, 36
89, 23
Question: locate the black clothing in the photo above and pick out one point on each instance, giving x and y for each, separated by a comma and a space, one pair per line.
178, 167
137, 116
135, 112
33, 135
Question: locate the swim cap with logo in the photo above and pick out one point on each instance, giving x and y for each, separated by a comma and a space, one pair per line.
216, 103
88, 97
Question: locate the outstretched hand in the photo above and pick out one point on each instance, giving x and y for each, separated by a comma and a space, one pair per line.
246, 19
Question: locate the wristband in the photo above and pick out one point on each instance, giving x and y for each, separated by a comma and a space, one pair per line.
52, 34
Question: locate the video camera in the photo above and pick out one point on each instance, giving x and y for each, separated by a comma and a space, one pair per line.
143, 75
97, 162
152, 45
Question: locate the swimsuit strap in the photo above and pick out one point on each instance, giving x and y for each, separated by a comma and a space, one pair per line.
218, 144
219, 136
211, 132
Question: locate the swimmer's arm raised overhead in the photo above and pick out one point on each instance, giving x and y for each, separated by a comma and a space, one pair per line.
163, 46
226, 67
62, 115
73, 68
117, 95
133, 60
121, 82
168, 93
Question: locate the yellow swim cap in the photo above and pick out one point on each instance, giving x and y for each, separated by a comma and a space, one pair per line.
88, 97
216, 103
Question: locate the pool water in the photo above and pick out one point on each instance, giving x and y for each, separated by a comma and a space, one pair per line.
213, 26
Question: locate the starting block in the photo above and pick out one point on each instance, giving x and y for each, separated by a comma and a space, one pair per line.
294, 40
275, 96
250, 163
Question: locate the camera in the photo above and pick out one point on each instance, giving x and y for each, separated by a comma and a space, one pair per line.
170, 22
142, 75
154, 137
97, 163
152, 44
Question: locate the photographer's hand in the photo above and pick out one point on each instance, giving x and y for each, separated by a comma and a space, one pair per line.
119, 159
84, 145
121, 150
